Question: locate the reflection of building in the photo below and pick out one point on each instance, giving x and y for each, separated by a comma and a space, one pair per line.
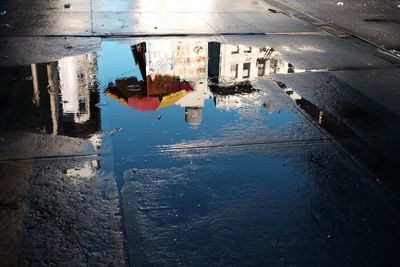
240, 63
77, 77
62, 100
189, 60
211, 69
166, 67
150, 95
79, 95
232, 66
184, 59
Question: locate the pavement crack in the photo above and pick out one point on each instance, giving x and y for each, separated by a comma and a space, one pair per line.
53, 157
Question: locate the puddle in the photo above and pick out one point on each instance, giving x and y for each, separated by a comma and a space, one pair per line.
137, 103
210, 158
141, 99
169, 81
172, 70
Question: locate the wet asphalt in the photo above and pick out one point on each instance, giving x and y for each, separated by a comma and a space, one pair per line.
182, 133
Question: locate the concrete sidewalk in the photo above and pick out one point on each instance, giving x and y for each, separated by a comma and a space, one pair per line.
374, 21
124, 18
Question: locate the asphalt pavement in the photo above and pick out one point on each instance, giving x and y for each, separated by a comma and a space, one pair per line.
187, 133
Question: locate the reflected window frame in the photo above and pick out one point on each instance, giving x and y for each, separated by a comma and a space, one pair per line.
248, 50
234, 70
261, 64
236, 51
246, 70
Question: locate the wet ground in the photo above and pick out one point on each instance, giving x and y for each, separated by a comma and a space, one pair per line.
216, 157
222, 146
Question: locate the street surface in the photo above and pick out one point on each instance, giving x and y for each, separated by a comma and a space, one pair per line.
211, 133
377, 21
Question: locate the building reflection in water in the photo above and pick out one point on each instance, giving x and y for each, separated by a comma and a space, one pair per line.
186, 73
55, 98
64, 95
62, 99
173, 72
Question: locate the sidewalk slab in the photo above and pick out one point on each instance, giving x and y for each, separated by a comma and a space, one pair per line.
26, 7
47, 24
116, 23
377, 21
256, 22
56, 206
188, 6
17, 51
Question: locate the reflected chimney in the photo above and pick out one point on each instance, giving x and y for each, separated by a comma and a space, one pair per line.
194, 115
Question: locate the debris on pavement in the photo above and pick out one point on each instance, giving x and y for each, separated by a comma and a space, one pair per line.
113, 131
6, 25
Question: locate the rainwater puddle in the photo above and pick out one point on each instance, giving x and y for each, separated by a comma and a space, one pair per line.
193, 132
160, 79
146, 95
214, 164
